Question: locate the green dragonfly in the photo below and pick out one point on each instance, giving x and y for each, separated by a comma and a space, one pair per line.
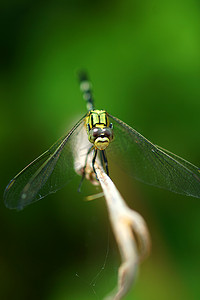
99, 134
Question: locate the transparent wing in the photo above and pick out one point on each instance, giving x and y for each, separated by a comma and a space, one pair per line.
152, 164
47, 173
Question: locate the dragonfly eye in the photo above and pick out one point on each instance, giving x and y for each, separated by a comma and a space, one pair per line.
94, 133
108, 133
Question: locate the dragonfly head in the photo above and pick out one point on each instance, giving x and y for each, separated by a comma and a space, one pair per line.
100, 137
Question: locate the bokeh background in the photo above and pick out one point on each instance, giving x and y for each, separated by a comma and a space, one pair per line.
143, 58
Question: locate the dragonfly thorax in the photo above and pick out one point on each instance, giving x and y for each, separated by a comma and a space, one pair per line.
99, 129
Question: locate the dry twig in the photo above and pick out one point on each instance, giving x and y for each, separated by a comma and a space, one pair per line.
130, 231
129, 227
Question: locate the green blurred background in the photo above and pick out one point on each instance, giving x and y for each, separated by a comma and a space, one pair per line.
144, 61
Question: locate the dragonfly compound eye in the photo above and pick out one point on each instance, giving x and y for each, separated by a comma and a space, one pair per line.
108, 133
94, 133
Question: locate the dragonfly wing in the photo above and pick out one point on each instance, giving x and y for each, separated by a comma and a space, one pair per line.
152, 164
47, 173
182, 161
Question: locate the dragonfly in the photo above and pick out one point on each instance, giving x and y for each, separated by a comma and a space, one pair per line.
100, 135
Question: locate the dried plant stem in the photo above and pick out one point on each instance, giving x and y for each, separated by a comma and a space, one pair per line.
130, 231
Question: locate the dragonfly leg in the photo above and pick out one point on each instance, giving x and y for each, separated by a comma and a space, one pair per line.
93, 162
83, 172
105, 161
